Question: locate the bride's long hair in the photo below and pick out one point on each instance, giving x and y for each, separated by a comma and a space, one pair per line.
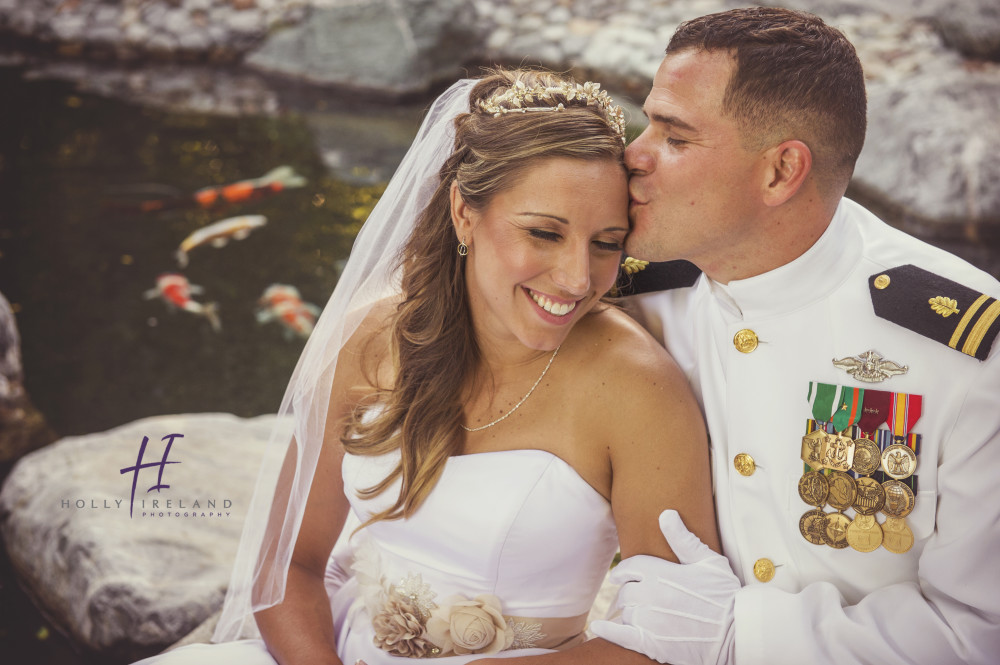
434, 347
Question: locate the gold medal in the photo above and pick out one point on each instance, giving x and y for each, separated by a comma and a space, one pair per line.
871, 496
898, 461
843, 490
899, 499
838, 452
812, 526
812, 448
814, 488
896, 535
866, 457
835, 533
864, 534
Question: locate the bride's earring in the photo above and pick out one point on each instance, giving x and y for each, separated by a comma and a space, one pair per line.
463, 249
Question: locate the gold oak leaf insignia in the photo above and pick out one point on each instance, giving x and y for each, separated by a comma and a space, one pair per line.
632, 266
944, 306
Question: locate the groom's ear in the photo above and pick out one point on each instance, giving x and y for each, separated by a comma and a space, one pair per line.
462, 215
788, 164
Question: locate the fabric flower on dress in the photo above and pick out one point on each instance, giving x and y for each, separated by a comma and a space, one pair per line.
400, 630
467, 626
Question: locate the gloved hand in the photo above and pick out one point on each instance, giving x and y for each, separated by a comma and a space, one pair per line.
679, 613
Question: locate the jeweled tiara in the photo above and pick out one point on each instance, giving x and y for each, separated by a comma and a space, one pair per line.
513, 99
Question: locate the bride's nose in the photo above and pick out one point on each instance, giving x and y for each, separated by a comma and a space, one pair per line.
572, 273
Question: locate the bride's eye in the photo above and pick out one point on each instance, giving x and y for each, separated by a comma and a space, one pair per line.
610, 246
543, 234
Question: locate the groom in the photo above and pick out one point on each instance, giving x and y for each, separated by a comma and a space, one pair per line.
873, 538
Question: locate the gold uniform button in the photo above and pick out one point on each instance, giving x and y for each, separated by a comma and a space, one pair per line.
763, 570
745, 341
744, 464
881, 282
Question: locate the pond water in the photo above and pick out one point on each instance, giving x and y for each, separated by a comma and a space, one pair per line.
77, 256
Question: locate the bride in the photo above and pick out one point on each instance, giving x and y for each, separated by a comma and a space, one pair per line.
481, 430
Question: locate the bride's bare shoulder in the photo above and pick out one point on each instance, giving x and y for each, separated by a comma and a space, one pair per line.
613, 339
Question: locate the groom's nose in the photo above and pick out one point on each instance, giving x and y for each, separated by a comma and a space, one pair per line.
637, 157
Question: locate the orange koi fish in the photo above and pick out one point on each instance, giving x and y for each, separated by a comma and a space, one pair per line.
282, 303
176, 290
218, 234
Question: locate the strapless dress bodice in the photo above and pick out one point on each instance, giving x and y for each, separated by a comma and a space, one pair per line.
520, 525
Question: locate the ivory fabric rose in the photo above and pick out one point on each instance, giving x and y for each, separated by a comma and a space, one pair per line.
470, 626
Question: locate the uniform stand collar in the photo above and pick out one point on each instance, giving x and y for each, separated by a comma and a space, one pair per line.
810, 277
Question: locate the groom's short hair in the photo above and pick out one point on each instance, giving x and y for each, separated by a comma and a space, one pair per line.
794, 77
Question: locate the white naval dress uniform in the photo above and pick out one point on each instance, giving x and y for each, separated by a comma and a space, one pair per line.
939, 602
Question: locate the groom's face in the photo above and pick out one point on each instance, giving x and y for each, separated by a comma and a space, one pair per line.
692, 183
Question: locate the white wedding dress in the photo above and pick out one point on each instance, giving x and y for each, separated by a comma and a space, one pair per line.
520, 525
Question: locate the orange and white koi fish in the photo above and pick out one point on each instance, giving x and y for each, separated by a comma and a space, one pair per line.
282, 303
253, 189
218, 234
176, 290
272, 182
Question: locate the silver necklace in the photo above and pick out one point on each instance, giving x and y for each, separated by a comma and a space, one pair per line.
523, 399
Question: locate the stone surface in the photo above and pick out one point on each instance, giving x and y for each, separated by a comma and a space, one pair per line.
128, 586
22, 427
386, 46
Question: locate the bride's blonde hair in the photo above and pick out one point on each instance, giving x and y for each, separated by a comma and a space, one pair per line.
434, 347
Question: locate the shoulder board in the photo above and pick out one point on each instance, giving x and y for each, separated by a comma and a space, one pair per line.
637, 276
938, 308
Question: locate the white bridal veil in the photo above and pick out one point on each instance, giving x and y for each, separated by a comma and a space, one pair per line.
275, 512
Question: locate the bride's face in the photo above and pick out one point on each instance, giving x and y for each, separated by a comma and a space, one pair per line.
543, 252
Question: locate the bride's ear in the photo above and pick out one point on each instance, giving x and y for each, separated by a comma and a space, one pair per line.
463, 217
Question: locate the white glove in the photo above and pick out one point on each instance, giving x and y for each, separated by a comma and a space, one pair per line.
679, 613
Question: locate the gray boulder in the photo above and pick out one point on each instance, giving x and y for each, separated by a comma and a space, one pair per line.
390, 47
22, 427
128, 585
933, 150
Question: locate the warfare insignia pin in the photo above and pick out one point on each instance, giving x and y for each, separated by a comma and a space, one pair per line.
870, 367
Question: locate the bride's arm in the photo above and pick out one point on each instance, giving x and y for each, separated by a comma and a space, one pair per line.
299, 630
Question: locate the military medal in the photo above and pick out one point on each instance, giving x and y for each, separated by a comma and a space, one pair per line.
896, 535
870, 496
835, 533
874, 412
867, 457
814, 443
843, 492
812, 448
838, 453
898, 461
814, 488
812, 526
899, 499
904, 412
864, 534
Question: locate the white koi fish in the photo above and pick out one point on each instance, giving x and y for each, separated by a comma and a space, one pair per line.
176, 290
283, 303
218, 234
